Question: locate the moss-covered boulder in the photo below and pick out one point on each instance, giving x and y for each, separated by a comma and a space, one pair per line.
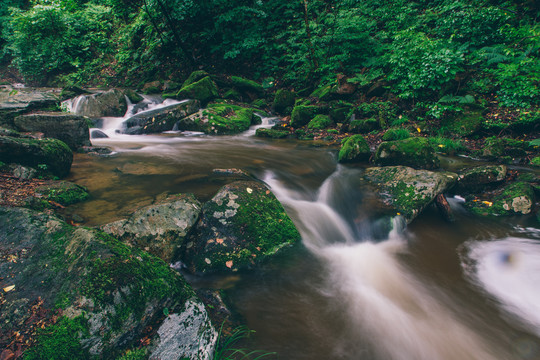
284, 101
160, 228
203, 90
243, 225
504, 149
354, 149
363, 126
514, 199
71, 129
272, 133
219, 119
107, 103
246, 86
159, 120
478, 177
302, 115
396, 134
465, 124
406, 191
325, 93
194, 77
415, 152
319, 122
47, 154
62, 192
91, 296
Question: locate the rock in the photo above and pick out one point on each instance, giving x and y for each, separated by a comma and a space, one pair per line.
364, 126
133, 96
302, 115
233, 173
160, 228
408, 191
272, 133
63, 192
153, 87
514, 199
108, 103
71, 129
219, 119
22, 172
465, 124
319, 122
15, 102
505, 150
243, 225
98, 134
325, 93
180, 337
71, 92
476, 178
104, 294
354, 149
203, 90
47, 154
159, 120
194, 77
284, 101
249, 87
415, 152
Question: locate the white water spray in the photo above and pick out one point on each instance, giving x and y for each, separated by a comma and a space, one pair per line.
383, 300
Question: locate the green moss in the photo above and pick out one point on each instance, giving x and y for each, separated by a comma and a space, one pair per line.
60, 341
324, 93
535, 161
64, 193
354, 148
246, 85
232, 94
415, 152
320, 122
396, 134
137, 354
516, 198
301, 115
229, 119
463, 124
194, 77
284, 101
406, 199
272, 133
202, 90
364, 126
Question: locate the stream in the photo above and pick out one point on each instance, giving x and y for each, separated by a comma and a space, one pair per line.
360, 287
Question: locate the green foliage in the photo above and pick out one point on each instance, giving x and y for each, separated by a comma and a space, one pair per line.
227, 350
59, 341
137, 354
446, 145
396, 134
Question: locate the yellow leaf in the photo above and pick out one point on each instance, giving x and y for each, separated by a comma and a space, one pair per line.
9, 288
418, 129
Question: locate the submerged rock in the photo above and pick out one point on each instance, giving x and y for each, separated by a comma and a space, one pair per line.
71, 129
243, 225
160, 228
407, 191
415, 152
159, 120
48, 154
103, 294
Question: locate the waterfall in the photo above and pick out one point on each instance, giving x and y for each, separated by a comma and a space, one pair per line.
383, 300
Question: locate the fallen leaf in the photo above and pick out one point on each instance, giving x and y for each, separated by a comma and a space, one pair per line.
249, 190
9, 288
229, 264
219, 241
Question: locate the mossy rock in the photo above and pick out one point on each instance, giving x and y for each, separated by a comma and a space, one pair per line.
133, 96
302, 115
49, 154
465, 124
228, 119
325, 93
478, 177
500, 148
232, 94
354, 149
108, 293
515, 199
63, 192
396, 134
194, 77
284, 101
247, 86
203, 90
272, 133
535, 161
243, 225
364, 126
320, 122
340, 113
415, 152
406, 191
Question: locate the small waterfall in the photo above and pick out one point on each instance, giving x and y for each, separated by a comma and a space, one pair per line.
384, 302
266, 122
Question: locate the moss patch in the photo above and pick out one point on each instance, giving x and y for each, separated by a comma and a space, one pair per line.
320, 122
354, 148
203, 90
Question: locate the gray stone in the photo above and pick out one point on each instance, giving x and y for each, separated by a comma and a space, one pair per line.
478, 177
109, 103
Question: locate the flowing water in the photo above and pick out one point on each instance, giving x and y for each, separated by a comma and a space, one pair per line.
362, 286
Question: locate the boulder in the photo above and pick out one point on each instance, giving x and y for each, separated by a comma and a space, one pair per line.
48, 154
319, 122
109, 103
478, 177
284, 101
203, 90
63, 192
415, 152
159, 120
194, 77
406, 191
354, 149
243, 225
95, 296
251, 88
302, 115
364, 126
272, 133
515, 199
98, 134
160, 228
71, 129
219, 119
15, 102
